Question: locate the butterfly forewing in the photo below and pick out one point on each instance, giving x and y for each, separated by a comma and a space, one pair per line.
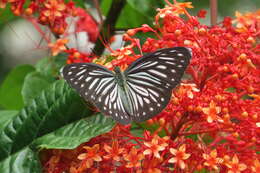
97, 85
151, 78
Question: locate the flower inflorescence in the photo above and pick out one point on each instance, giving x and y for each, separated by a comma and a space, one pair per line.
212, 121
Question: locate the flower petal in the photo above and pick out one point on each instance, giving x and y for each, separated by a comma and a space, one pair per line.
147, 151
173, 151
173, 160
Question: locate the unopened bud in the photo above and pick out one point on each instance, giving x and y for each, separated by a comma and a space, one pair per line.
177, 32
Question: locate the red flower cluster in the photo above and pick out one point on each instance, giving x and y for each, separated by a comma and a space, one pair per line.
213, 119
53, 13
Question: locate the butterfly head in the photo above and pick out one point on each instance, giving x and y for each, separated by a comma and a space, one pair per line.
117, 70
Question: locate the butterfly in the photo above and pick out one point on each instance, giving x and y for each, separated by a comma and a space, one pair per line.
137, 94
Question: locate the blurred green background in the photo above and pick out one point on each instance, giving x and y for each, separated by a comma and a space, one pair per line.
20, 43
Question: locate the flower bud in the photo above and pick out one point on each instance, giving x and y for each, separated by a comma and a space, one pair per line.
28, 12
177, 32
250, 40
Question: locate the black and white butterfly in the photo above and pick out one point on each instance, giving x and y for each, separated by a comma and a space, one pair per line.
137, 94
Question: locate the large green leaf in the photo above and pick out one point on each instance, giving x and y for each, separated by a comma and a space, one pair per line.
34, 83
145, 7
50, 66
124, 21
47, 72
10, 91
136, 19
76, 133
25, 161
6, 117
54, 108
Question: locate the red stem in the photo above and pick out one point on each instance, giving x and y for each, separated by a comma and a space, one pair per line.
213, 12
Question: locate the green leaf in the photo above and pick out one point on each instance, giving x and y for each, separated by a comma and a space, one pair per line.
76, 133
124, 21
105, 6
6, 16
56, 106
25, 161
34, 83
50, 66
47, 72
6, 117
10, 91
136, 19
147, 8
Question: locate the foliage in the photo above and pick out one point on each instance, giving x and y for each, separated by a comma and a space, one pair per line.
211, 123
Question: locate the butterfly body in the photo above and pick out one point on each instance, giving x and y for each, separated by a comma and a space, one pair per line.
140, 92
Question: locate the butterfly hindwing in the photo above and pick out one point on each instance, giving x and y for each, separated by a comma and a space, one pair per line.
97, 84
151, 79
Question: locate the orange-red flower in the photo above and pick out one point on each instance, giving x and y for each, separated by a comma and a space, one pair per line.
3, 3
234, 166
114, 152
180, 156
54, 8
58, 46
133, 158
155, 146
151, 165
243, 21
173, 9
212, 112
212, 160
256, 166
91, 155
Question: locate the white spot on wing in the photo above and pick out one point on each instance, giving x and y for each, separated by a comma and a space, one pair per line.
147, 100
158, 73
161, 67
80, 77
140, 100
157, 53
93, 83
81, 72
166, 58
138, 89
153, 92
174, 71
88, 79
172, 63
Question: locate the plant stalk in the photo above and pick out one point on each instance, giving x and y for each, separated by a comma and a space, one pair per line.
108, 27
213, 12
